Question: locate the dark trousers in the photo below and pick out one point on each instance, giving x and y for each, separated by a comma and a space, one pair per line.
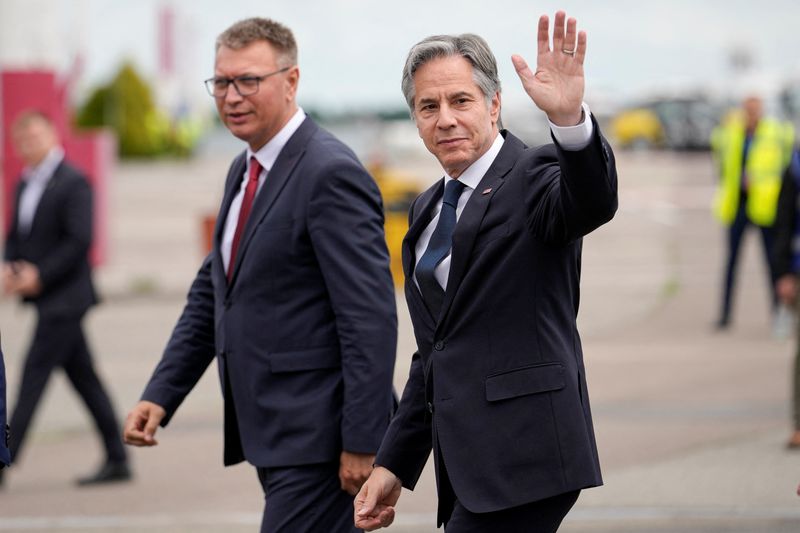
59, 342
305, 499
735, 233
543, 516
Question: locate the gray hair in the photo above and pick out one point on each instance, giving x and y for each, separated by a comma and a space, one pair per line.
469, 46
254, 29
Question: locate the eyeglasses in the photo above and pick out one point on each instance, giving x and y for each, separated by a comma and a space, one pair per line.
244, 85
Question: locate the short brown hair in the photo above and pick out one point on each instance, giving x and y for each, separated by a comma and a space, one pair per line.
254, 29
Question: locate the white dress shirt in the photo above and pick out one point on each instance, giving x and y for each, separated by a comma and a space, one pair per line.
568, 137
36, 180
266, 156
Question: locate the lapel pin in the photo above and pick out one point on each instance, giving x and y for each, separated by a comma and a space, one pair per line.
487, 191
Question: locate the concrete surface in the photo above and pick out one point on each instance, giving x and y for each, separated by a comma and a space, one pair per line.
690, 422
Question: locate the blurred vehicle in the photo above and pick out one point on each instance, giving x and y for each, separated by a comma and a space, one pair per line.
683, 123
398, 192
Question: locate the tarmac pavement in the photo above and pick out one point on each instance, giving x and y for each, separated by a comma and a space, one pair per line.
690, 422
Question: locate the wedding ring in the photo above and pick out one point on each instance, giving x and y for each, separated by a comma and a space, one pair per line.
568, 52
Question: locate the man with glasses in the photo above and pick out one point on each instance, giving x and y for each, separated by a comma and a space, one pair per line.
295, 300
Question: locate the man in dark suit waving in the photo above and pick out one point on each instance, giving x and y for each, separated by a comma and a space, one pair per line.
47, 264
295, 300
497, 388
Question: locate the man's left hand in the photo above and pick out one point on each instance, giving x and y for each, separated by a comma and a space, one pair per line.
354, 469
557, 85
26, 280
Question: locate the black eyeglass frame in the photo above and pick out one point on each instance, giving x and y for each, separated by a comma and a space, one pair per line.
210, 83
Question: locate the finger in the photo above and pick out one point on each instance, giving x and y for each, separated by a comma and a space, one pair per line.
521, 66
366, 501
580, 51
558, 31
150, 427
383, 517
543, 39
569, 38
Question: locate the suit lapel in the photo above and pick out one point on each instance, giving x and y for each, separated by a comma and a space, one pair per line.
470, 220
421, 217
232, 185
41, 209
277, 178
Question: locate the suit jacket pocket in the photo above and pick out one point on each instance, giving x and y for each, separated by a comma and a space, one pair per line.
311, 359
523, 381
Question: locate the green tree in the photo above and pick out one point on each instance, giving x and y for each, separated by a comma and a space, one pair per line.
126, 106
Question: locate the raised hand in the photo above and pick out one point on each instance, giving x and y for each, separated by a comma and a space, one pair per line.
557, 85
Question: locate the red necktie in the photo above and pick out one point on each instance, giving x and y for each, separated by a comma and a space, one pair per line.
244, 212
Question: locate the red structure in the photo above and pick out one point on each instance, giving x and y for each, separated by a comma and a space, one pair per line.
92, 152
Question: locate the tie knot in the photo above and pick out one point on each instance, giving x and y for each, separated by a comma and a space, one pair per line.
255, 168
452, 192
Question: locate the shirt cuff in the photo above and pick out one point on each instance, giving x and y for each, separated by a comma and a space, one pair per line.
574, 138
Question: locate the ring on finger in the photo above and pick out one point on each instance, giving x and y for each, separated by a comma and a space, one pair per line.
568, 52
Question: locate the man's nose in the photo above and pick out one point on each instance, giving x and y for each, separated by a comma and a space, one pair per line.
446, 118
231, 94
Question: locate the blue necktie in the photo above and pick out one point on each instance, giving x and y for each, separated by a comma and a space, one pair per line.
438, 247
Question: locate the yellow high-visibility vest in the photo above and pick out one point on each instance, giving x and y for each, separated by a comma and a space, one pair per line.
769, 155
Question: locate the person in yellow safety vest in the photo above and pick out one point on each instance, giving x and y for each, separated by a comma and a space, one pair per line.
751, 152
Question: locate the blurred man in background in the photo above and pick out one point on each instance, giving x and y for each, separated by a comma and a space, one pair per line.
787, 268
751, 153
295, 301
47, 264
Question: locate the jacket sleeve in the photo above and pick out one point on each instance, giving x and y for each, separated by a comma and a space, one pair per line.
785, 220
574, 194
345, 221
408, 442
73, 246
190, 348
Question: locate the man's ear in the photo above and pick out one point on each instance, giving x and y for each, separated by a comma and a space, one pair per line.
293, 79
494, 108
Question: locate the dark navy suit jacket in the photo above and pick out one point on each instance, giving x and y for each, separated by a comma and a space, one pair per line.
305, 333
58, 243
5, 456
497, 388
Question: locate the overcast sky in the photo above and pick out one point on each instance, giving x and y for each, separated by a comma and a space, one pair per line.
352, 51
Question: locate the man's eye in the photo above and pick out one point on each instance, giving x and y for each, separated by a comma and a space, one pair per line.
221, 83
247, 81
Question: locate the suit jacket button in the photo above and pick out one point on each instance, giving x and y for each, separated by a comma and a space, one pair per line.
438, 346
430, 407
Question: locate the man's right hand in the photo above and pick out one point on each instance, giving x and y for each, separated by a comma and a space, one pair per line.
374, 504
142, 423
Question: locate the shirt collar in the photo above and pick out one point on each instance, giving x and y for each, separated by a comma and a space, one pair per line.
42, 172
268, 154
475, 172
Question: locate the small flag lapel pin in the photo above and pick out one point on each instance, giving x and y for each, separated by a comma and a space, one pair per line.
487, 191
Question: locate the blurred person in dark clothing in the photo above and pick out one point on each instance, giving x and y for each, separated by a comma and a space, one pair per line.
295, 301
751, 153
787, 269
5, 455
47, 265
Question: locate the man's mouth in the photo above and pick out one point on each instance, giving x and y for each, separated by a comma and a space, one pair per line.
450, 142
237, 118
